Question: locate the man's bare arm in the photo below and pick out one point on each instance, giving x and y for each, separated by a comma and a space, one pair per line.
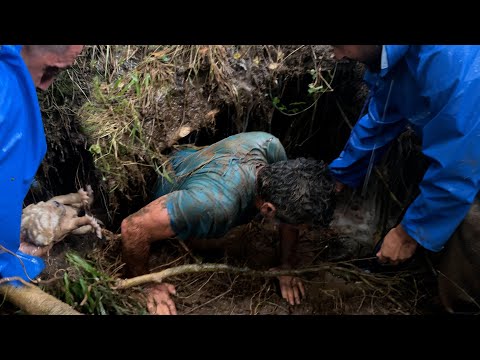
291, 287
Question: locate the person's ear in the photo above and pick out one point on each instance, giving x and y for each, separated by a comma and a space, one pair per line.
267, 209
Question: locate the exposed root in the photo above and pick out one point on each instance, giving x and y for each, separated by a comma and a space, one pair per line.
34, 301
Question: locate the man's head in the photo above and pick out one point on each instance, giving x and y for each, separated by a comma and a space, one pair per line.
299, 191
44, 62
370, 55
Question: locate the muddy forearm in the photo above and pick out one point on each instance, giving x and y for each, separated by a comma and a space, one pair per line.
149, 224
135, 249
288, 245
136, 260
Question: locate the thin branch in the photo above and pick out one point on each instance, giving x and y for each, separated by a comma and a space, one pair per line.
14, 278
197, 268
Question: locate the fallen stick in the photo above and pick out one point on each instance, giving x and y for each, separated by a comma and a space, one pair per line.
34, 301
195, 268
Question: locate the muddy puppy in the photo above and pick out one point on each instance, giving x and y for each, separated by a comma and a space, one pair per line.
46, 223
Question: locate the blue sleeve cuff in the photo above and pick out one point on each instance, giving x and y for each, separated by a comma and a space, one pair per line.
25, 266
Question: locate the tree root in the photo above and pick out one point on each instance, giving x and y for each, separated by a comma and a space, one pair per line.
34, 301
195, 268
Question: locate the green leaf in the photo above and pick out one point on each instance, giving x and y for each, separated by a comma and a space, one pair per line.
95, 149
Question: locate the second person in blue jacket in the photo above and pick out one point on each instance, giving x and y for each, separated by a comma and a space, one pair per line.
436, 90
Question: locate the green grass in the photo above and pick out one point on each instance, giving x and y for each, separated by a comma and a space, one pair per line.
89, 291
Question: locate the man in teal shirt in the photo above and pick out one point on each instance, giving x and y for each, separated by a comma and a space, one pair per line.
224, 185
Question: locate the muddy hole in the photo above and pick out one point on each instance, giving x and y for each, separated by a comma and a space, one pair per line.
144, 102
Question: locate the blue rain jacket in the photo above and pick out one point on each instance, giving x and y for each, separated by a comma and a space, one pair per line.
436, 89
22, 148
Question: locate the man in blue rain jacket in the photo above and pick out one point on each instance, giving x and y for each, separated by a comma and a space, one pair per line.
22, 141
435, 89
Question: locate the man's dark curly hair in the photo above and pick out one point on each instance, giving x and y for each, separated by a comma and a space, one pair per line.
302, 190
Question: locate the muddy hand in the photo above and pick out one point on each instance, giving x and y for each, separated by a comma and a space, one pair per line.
159, 301
292, 289
397, 246
339, 187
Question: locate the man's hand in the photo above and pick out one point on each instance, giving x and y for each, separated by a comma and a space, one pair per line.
159, 301
339, 187
397, 246
292, 289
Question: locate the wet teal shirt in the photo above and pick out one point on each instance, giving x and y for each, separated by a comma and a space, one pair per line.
213, 188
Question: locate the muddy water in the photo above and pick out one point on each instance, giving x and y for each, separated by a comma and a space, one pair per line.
354, 218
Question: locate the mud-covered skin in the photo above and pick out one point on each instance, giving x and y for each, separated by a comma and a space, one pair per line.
46, 223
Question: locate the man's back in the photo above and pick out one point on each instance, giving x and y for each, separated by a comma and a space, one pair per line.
213, 188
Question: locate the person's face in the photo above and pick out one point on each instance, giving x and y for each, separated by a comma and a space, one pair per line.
45, 66
370, 55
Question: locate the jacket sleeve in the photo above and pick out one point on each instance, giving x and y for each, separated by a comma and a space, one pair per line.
372, 133
451, 140
13, 263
